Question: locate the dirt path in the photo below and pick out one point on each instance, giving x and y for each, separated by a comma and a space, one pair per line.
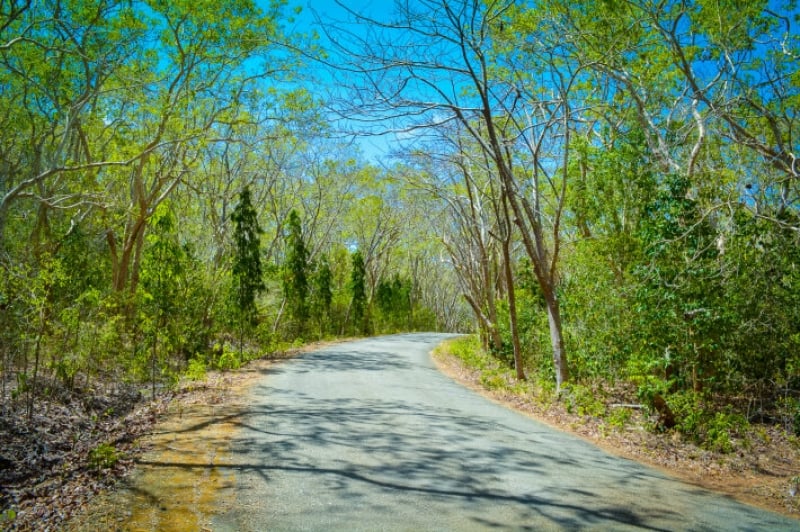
198, 428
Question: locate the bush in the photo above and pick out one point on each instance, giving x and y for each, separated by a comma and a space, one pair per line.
698, 420
719, 429
494, 379
103, 456
619, 417
228, 360
468, 349
196, 370
583, 401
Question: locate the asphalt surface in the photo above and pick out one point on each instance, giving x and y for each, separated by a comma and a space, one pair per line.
368, 435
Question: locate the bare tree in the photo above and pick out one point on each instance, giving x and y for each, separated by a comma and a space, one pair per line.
438, 62
472, 247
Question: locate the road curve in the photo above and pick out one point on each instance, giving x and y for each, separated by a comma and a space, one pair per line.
368, 435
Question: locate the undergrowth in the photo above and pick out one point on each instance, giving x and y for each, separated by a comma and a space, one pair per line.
710, 426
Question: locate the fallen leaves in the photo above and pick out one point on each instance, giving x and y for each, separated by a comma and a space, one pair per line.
45, 472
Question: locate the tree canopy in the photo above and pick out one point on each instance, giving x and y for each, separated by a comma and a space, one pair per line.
602, 191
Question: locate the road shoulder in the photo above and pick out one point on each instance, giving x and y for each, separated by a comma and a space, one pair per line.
761, 478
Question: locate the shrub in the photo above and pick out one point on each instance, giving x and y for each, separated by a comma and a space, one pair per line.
103, 456
228, 360
583, 401
196, 370
711, 429
468, 349
718, 431
494, 379
619, 417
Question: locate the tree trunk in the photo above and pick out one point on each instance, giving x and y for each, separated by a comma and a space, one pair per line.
534, 246
33, 389
489, 297
124, 262
556, 338
136, 261
153, 358
487, 325
512, 312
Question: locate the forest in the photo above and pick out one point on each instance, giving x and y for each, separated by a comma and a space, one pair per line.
606, 193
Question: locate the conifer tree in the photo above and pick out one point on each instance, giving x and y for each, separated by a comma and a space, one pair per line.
358, 288
295, 283
247, 275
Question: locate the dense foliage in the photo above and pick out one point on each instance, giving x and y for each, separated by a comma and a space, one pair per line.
645, 153
171, 193
170, 200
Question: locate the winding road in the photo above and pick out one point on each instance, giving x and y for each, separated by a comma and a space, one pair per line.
368, 435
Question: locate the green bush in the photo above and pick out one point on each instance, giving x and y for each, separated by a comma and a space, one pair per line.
494, 378
228, 360
468, 349
690, 413
104, 456
583, 401
709, 428
619, 417
719, 429
196, 370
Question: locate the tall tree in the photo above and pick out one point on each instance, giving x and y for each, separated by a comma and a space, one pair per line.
358, 289
247, 275
295, 276
58, 61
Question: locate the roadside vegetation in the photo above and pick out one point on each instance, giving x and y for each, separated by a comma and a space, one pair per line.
607, 193
172, 203
756, 461
621, 190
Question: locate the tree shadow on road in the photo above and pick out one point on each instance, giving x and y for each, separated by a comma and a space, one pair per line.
410, 462
401, 450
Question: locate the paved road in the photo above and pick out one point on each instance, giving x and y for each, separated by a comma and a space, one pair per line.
369, 435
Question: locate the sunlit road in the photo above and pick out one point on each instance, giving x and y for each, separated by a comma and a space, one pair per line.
368, 435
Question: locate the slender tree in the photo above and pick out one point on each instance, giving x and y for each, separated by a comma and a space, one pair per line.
247, 275
358, 287
295, 280
163, 268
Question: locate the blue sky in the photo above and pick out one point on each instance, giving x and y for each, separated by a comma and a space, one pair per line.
330, 8
373, 148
